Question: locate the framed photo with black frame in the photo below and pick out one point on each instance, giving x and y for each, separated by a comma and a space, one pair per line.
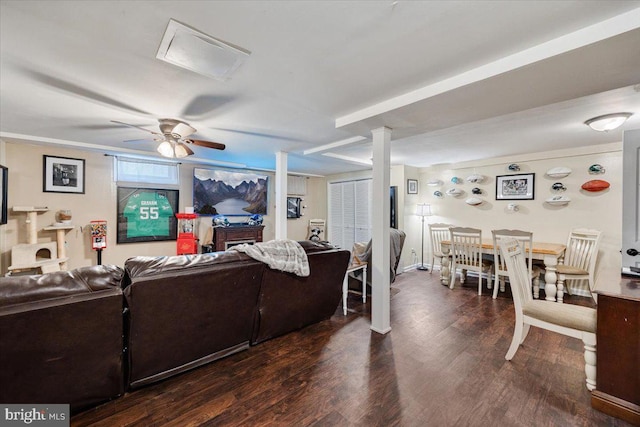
294, 207
412, 186
62, 175
515, 187
4, 192
147, 215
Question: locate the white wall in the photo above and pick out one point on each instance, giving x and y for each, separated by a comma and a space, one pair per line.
99, 202
601, 210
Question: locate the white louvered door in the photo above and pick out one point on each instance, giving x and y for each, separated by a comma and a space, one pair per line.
349, 212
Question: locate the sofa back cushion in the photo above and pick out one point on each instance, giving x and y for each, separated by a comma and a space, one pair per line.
289, 302
61, 337
185, 311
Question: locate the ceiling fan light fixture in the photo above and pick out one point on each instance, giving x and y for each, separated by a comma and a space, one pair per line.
181, 150
166, 149
608, 122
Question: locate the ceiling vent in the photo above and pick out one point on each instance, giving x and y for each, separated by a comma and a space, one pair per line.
188, 48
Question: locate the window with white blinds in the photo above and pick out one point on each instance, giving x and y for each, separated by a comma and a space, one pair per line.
349, 212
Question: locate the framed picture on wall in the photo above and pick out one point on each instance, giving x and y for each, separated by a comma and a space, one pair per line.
147, 215
515, 187
294, 207
412, 186
4, 191
62, 175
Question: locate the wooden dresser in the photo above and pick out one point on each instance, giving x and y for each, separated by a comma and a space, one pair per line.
618, 350
225, 237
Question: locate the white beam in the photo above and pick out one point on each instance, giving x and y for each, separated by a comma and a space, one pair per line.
348, 159
583, 37
332, 145
281, 195
380, 254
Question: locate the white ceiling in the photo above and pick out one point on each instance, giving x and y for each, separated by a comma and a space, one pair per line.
455, 80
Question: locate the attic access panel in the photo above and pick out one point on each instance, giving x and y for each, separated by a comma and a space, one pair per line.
188, 48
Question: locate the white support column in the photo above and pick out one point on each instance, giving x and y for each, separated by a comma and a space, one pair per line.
380, 262
281, 195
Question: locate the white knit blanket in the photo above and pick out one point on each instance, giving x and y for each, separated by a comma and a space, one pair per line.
284, 255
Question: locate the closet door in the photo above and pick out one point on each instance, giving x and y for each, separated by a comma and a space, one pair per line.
349, 212
362, 214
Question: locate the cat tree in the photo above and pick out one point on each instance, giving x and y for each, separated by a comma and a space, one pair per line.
46, 257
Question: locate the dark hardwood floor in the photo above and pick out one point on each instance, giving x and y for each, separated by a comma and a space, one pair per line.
441, 365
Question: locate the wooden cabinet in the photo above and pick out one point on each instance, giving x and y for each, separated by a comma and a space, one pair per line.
225, 237
618, 350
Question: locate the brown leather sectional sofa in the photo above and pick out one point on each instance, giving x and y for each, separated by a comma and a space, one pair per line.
85, 336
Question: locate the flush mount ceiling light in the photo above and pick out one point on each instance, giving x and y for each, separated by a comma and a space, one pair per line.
608, 121
191, 49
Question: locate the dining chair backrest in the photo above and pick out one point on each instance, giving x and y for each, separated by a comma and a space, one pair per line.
513, 255
466, 245
438, 232
525, 238
582, 249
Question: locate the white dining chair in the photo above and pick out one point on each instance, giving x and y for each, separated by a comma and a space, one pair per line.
438, 232
466, 254
566, 319
500, 273
579, 262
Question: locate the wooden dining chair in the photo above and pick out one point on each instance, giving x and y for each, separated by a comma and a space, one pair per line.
438, 232
500, 273
566, 319
579, 262
466, 254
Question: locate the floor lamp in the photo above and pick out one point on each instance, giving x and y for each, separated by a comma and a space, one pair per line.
422, 210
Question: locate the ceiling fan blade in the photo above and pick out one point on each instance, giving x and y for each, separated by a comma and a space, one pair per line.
137, 127
137, 140
207, 144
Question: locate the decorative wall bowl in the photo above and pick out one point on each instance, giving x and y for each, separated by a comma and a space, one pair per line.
595, 185
558, 200
473, 201
559, 172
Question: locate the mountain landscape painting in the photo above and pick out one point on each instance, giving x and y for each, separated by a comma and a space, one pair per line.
229, 193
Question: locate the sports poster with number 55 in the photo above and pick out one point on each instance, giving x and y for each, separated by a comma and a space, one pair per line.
146, 215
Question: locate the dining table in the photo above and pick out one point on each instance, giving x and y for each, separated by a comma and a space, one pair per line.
549, 253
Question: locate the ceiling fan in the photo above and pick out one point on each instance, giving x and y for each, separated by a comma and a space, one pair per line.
173, 138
